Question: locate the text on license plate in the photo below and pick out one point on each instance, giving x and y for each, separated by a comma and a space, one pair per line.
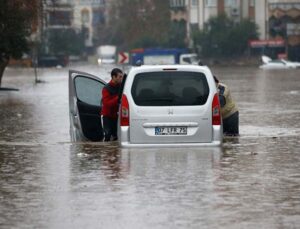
178, 130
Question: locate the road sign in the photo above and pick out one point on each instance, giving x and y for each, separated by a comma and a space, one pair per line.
123, 58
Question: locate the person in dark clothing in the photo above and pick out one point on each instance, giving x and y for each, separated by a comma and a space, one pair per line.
110, 106
229, 110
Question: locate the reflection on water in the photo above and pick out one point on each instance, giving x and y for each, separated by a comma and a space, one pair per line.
253, 181
140, 188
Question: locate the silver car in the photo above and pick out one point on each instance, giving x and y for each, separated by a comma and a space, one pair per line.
172, 105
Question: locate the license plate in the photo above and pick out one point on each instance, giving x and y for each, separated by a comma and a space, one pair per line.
178, 130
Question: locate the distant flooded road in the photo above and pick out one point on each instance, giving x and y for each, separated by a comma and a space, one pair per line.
252, 181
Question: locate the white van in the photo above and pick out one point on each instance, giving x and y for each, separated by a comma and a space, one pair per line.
169, 105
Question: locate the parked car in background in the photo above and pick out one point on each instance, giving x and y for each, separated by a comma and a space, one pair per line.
106, 54
161, 105
189, 58
24, 61
268, 63
52, 61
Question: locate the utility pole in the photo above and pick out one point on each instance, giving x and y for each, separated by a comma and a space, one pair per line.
266, 6
188, 24
38, 38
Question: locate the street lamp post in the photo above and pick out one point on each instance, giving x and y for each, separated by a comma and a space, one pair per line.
188, 24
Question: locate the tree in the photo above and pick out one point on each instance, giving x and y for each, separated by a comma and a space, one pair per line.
239, 36
16, 17
139, 23
221, 37
66, 42
177, 34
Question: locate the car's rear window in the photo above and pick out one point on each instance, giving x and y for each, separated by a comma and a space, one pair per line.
170, 89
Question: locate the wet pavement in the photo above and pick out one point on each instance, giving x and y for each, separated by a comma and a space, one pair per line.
252, 181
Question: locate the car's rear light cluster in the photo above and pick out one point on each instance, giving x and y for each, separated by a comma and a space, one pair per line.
216, 112
124, 116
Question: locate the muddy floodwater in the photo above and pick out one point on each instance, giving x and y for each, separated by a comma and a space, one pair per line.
47, 181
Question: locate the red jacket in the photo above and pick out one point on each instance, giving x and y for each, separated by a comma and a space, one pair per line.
110, 104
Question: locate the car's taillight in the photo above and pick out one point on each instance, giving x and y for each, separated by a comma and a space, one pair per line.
216, 112
124, 116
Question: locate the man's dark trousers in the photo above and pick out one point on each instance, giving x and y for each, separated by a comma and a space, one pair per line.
231, 125
110, 128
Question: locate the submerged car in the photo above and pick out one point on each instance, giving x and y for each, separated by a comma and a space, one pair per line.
171, 105
268, 63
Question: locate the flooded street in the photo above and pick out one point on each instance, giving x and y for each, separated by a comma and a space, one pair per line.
252, 181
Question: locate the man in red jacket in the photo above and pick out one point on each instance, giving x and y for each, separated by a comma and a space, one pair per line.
110, 106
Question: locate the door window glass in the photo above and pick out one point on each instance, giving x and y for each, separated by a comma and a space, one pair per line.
88, 90
170, 89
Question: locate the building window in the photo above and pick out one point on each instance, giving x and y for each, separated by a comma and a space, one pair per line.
98, 17
231, 3
177, 3
194, 2
60, 18
284, 6
92, 2
211, 3
85, 16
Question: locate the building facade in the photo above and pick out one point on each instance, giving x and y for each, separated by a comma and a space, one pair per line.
273, 17
235, 9
284, 22
84, 16
89, 15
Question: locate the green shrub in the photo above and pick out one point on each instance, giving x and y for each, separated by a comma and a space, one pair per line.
222, 37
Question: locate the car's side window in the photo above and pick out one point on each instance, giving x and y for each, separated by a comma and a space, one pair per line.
88, 90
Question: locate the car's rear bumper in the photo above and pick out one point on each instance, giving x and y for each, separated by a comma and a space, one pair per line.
168, 145
217, 140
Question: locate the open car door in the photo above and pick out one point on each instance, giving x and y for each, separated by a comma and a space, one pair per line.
85, 106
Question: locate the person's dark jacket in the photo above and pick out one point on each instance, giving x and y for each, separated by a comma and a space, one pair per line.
110, 94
